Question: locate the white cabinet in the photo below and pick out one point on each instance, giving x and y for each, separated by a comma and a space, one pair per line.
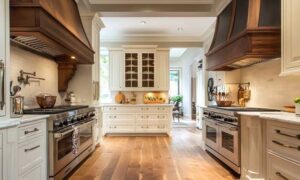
139, 68
253, 148
283, 150
32, 153
135, 119
115, 69
162, 70
290, 44
4, 56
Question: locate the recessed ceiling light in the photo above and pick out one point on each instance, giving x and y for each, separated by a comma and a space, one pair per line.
180, 29
73, 57
143, 22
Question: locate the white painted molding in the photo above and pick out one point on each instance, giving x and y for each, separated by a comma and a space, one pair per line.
139, 46
152, 38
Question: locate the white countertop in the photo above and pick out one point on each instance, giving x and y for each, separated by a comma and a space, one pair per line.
31, 118
278, 116
7, 123
135, 105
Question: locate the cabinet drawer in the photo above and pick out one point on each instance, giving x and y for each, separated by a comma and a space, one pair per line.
120, 128
119, 117
119, 109
154, 109
34, 174
30, 154
284, 139
282, 169
30, 131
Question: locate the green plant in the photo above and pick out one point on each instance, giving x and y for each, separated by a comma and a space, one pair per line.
177, 99
297, 100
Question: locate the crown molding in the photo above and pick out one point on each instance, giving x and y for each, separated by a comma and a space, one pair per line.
152, 2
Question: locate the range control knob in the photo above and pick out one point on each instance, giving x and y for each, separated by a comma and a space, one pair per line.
92, 114
66, 122
57, 124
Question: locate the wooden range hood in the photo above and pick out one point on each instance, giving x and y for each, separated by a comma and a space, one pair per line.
52, 28
247, 32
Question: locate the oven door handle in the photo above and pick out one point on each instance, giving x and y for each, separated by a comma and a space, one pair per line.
62, 134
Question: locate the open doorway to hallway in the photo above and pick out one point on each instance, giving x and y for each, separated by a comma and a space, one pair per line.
184, 83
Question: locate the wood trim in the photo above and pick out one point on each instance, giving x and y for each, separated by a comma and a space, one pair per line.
253, 13
66, 71
232, 19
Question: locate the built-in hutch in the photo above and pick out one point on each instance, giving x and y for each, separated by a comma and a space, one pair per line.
139, 68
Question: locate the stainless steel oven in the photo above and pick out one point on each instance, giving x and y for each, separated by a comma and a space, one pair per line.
61, 151
223, 141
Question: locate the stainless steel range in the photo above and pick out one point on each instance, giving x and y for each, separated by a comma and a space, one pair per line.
61, 125
222, 133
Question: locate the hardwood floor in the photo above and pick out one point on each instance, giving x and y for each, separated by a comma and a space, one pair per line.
152, 158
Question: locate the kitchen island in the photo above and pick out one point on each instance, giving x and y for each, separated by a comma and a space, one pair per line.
135, 119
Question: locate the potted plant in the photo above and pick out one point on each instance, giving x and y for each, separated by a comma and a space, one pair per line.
297, 105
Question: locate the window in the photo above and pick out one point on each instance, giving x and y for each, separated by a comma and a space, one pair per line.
105, 96
175, 75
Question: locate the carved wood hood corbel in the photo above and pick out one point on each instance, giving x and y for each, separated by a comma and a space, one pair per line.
66, 70
52, 28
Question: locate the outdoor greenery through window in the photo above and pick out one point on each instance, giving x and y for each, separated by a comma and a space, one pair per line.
105, 96
174, 82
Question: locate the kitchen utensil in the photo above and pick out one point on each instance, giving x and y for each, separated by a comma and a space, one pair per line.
223, 96
224, 103
247, 93
16, 89
46, 101
16, 106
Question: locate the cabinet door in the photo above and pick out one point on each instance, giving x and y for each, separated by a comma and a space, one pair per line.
34, 174
162, 70
148, 71
290, 36
115, 70
131, 67
3, 51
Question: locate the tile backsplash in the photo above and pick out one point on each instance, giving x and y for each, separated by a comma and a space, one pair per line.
44, 68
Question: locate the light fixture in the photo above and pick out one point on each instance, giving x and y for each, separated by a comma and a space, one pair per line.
143, 22
180, 29
73, 57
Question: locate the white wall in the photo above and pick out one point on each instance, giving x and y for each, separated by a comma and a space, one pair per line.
187, 59
44, 68
268, 89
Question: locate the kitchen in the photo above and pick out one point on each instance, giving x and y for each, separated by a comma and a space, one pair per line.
64, 116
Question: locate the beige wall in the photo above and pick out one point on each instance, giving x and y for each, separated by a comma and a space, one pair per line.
44, 68
268, 88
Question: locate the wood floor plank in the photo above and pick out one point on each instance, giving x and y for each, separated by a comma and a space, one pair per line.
179, 157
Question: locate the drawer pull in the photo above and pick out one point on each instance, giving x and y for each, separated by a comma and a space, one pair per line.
29, 132
30, 149
283, 134
287, 146
281, 176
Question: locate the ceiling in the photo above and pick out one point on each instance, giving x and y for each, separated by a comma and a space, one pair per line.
158, 29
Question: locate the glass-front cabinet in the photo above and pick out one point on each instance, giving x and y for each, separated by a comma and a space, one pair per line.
139, 69
147, 69
131, 70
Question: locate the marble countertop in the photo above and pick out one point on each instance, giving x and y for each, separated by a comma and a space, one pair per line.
31, 118
134, 105
278, 116
7, 123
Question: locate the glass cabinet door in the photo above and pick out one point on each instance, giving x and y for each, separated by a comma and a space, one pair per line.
131, 69
147, 69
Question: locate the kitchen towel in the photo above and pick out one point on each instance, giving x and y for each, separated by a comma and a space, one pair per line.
75, 141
